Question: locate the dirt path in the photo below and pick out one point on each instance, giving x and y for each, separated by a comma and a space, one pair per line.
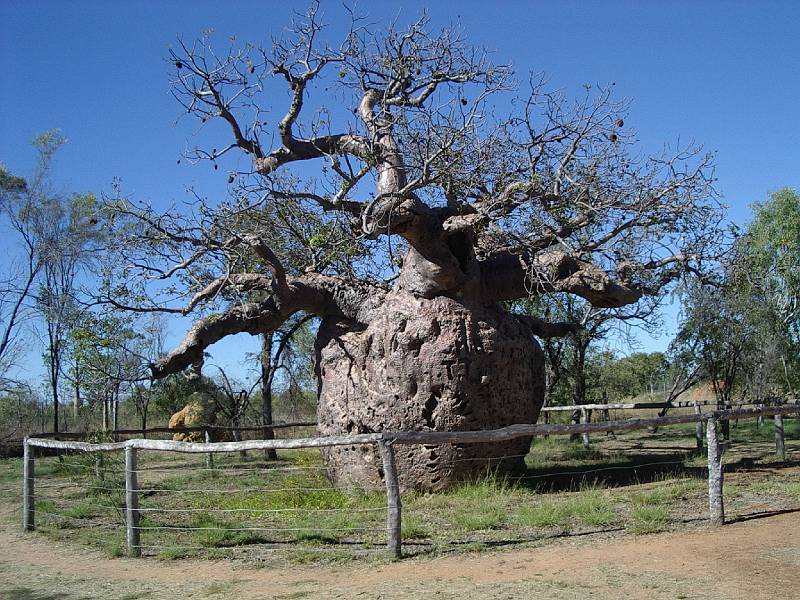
759, 558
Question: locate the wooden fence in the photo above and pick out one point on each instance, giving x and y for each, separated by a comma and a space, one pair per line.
386, 442
585, 412
204, 429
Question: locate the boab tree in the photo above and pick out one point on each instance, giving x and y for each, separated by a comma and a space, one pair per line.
426, 213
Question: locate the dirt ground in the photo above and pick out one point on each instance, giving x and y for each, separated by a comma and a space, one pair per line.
751, 559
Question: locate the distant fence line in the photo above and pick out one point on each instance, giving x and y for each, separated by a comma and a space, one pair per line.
200, 429
545, 410
585, 410
675, 404
385, 442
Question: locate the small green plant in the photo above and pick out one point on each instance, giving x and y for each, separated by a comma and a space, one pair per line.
648, 519
592, 507
485, 515
546, 513
83, 510
412, 527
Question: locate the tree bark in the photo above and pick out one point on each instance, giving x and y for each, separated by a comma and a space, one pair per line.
427, 365
266, 391
77, 400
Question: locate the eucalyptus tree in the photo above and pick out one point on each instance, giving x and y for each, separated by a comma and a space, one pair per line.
18, 280
414, 210
770, 250
55, 232
66, 228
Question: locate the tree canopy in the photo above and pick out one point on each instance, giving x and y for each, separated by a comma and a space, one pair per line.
403, 158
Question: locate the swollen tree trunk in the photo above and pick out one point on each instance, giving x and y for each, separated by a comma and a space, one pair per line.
427, 365
266, 391
408, 358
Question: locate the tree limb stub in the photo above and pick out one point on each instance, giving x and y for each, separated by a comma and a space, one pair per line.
506, 277
312, 293
544, 329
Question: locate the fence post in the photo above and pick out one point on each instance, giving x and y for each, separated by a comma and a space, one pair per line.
585, 419
780, 448
28, 498
716, 508
99, 467
210, 455
698, 427
132, 502
393, 503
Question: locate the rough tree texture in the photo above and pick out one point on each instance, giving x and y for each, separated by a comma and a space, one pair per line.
199, 411
427, 365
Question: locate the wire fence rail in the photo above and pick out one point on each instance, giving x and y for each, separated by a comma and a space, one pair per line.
131, 512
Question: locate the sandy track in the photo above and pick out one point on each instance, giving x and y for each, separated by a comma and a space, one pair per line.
754, 559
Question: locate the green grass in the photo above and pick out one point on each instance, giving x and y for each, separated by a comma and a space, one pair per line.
590, 507
481, 516
213, 532
669, 490
413, 527
774, 488
310, 521
748, 430
648, 518
83, 510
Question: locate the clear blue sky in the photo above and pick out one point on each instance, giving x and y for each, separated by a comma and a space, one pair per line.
725, 74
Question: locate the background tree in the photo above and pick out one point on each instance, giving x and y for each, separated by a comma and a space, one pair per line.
770, 250
438, 210
578, 369
56, 232
17, 196
720, 322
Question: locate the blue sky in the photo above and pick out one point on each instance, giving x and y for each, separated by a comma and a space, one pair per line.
724, 74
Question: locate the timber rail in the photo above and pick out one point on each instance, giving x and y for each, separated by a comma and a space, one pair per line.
386, 442
202, 429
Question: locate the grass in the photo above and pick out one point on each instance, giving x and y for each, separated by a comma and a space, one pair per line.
786, 487
296, 516
590, 507
483, 516
412, 527
648, 518
749, 431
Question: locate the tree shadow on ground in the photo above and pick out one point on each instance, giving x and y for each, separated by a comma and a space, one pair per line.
22, 593
422, 547
761, 515
635, 469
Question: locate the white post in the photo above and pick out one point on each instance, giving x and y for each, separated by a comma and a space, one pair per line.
132, 503
28, 497
698, 428
585, 419
780, 448
210, 455
716, 509
393, 503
